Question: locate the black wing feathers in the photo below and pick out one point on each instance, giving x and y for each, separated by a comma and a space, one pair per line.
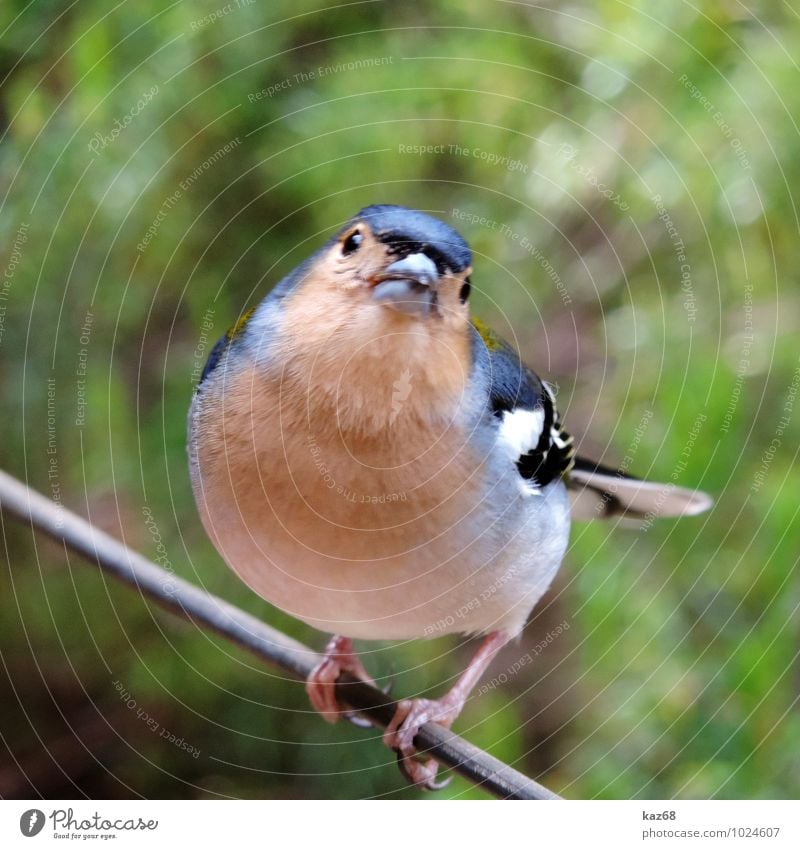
512, 387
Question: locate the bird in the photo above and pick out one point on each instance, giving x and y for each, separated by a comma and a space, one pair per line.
374, 461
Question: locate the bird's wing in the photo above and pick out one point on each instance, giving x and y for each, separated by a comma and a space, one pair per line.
529, 428
598, 492
532, 434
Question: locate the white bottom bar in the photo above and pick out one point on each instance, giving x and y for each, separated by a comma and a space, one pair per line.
384, 824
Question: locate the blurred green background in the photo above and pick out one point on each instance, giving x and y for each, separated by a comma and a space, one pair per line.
635, 164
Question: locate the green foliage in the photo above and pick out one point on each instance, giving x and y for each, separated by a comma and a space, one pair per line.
635, 168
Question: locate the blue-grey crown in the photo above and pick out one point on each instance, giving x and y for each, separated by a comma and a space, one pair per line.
408, 231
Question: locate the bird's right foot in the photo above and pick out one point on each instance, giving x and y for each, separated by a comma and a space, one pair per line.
339, 657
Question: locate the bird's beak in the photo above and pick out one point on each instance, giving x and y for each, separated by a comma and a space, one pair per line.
408, 285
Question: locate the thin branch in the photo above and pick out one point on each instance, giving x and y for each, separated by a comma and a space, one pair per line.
186, 600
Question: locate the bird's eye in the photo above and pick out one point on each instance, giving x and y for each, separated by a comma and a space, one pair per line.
464, 293
352, 243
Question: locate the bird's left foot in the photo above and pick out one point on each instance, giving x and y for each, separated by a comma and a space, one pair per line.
410, 716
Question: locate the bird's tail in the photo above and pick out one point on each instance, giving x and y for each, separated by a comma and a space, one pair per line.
598, 492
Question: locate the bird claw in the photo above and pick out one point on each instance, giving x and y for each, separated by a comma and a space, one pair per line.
421, 773
321, 689
356, 719
321, 683
399, 735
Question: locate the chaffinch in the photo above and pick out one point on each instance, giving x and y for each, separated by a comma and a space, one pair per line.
375, 463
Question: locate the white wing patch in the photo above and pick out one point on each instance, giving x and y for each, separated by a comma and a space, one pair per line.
520, 432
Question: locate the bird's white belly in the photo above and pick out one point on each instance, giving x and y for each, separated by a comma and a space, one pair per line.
442, 541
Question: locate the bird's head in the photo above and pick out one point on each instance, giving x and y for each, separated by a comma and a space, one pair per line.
386, 297
405, 261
